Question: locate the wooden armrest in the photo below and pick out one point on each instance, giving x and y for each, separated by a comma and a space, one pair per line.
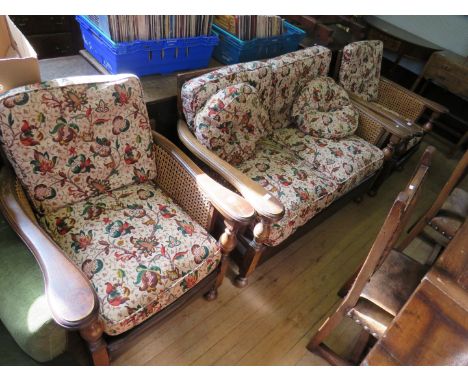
71, 298
427, 102
266, 205
400, 130
231, 205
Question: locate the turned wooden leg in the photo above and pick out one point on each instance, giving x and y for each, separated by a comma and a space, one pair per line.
429, 124
261, 232
388, 166
92, 334
228, 241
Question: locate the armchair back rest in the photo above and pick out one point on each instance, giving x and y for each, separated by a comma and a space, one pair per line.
73, 138
359, 73
291, 72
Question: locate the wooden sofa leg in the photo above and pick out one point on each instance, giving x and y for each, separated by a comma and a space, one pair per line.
427, 127
227, 241
92, 334
261, 232
388, 165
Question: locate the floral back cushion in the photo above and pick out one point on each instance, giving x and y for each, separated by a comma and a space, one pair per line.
197, 91
232, 121
71, 139
360, 68
291, 72
323, 110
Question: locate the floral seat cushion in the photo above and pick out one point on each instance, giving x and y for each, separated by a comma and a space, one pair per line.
323, 109
360, 68
231, 122
139, 249
75, 138
303, 191
347, 161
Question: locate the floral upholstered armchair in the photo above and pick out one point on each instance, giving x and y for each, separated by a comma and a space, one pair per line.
119, 219
286, 137
359, 74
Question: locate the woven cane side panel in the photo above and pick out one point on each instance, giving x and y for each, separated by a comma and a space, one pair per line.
399, 101
369, 129
177, 182
23, 201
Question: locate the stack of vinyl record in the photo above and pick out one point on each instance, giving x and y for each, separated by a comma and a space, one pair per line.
155, 27
250, 27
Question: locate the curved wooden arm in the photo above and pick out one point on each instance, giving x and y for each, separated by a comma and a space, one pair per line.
266, 205
231, 205
427, 102
71, 298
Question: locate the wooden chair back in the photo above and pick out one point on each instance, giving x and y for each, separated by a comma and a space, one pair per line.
391, 229
457, 175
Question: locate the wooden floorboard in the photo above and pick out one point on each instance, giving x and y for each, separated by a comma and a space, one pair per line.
271, 320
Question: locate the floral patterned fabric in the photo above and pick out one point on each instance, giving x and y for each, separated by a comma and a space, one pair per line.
278, 81
197, 91
291, 72
303, 191
323, 109
346, 161
231, 122
360, 68
71, 139
139, 249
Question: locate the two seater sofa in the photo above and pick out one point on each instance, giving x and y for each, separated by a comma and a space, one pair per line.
251, 124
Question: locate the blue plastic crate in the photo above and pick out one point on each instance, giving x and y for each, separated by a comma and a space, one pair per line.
232, 50
146, 57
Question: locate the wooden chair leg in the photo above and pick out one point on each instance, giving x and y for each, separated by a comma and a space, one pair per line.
317, 346
330, 356
228, 242
324, 331
348, 284
360, 346
261, 232
92, 334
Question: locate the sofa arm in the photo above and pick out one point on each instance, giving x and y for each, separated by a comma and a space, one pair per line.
409, 104
72, 300
370, 119
265, 204
232, 206
378, 130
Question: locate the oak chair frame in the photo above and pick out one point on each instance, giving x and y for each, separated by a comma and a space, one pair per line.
251, 250
72, 300
384, 243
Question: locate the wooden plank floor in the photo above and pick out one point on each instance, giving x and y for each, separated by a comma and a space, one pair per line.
270, 321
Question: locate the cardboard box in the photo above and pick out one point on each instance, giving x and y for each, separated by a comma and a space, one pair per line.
18, 59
